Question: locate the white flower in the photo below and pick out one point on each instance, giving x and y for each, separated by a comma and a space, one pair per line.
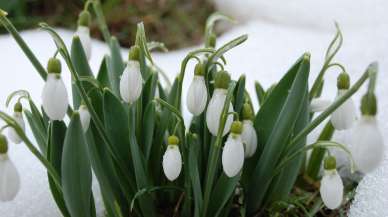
85, 117
12, 134
214, 110
172, 162
131, 82
197, 95
331, 189
345, 115
367, 146
9, 179
83, 32
233, 155
249, 138
319, 104
54, 97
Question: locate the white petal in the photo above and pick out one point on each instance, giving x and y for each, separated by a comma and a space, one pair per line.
249, 138
54, 97
345, 115
233, 155
318, 104
9, 179
131, 82
332, 189
367, 144
172, 162
83, 33
197, 95
85, 117
12, 134
214, 110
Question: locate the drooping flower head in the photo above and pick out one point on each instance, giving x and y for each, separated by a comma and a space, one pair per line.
54, 95
83, 32
319, 104
9, 176
131, 83
367, 146
172, 160
216, 105
332, 187
233, 151
344, 117
248, 135
197, 93
18, 117
84, 117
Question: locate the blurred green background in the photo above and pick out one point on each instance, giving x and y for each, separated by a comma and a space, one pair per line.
177, 23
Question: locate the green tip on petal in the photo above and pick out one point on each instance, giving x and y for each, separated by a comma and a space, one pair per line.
18, 107
54, 66
3, 144
343, 81
222, 80
84, 18
134, 53
236, 127
173, 140
369, 104
199, 69
3, 13
330, 163
247, 112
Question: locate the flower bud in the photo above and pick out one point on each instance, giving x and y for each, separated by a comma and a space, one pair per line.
214, 111
344, 117
131, 83
367, 146
233, 153
172, 160
84, 117
249, 138
54, 95
331, 189
9, 178
318, 104
18, 117
197, 95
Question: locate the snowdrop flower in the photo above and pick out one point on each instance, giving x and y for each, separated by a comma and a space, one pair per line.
18, 116
367, 142
84, 116
233, 152
54, 95
197, 94
172, 160
319, 104
248, 135
216, 105
9, 176
344, 117
83, 32
131, 83
332, 187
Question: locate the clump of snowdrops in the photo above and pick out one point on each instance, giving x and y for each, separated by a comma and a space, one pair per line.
125, 124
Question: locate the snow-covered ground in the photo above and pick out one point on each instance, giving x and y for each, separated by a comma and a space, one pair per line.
279, 32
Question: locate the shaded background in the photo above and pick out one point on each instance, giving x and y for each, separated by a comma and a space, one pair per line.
177, 23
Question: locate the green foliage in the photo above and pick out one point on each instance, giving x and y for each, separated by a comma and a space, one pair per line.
125, 143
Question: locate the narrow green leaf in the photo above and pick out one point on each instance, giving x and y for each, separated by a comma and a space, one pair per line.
148, 129
194, 146
260, 92
76, 171
40, 134
222, 193
115, 65
102, 76
239, 93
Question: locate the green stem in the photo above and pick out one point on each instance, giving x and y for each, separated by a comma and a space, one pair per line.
337, 103
23, 45
318, 153
101, 21
373, 78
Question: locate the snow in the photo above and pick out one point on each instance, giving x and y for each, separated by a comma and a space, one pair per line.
279, 32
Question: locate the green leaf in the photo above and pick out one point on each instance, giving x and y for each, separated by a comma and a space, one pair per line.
210, 22
102, 76
222, 193
148, 129
194, 146
225, 48
115, 65
284, 102
76, 171
260, 93
239, 98
54, 156
37, 125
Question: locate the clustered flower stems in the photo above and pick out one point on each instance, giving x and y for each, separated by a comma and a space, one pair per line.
128, 128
